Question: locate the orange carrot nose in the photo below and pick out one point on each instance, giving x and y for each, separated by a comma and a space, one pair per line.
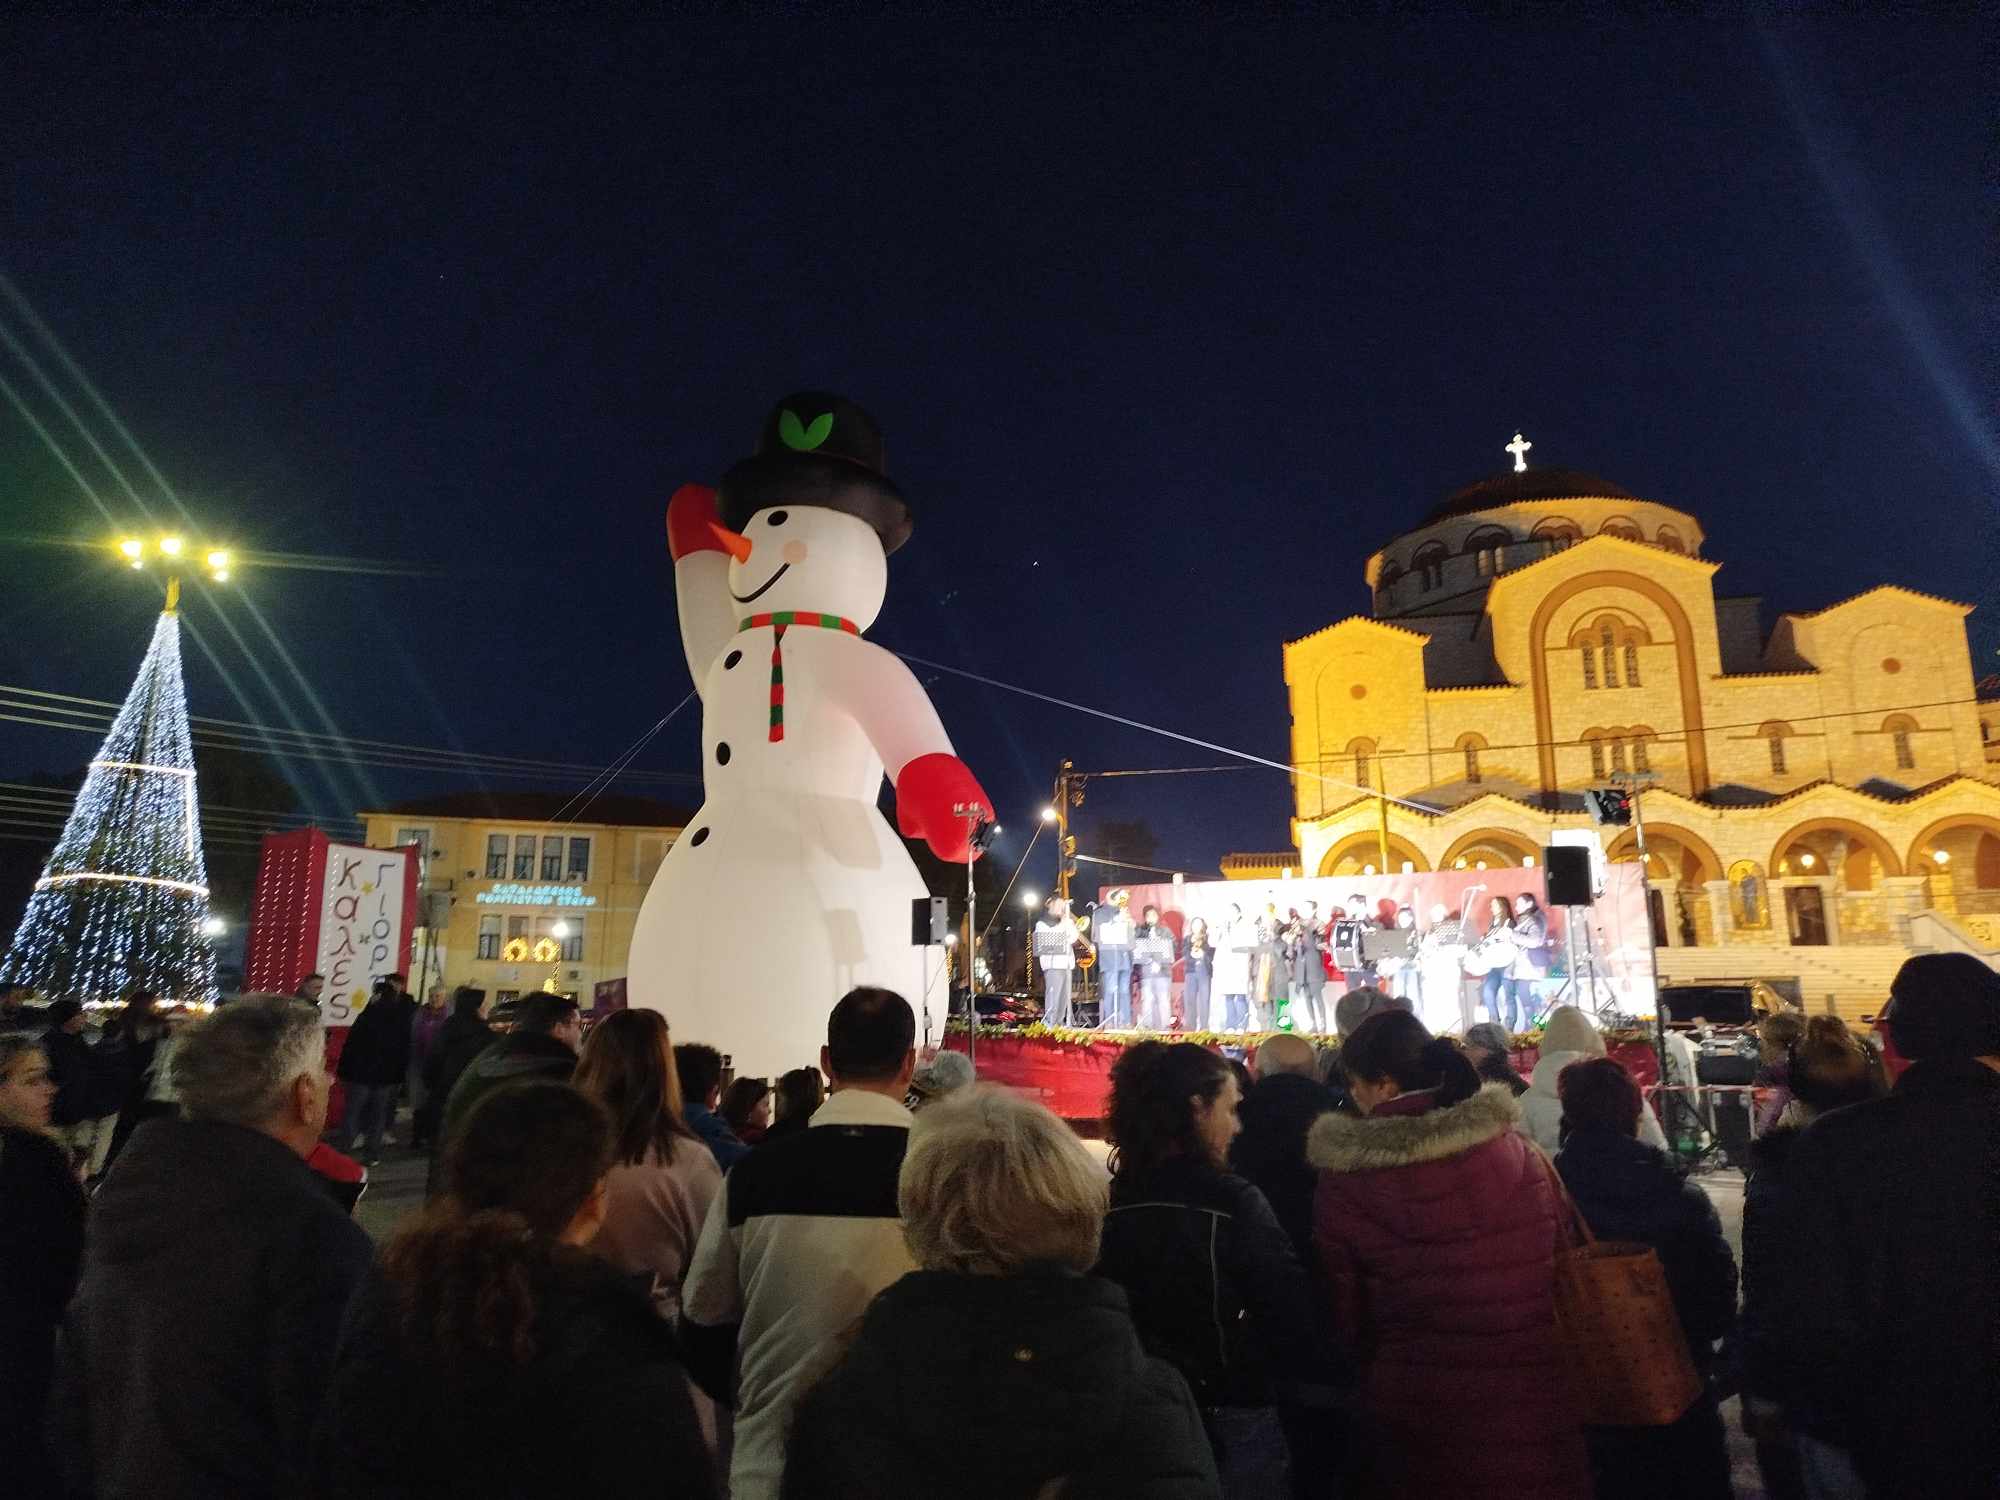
735, 543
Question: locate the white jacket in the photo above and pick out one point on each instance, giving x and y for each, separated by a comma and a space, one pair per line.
1232, 967
1542, 1111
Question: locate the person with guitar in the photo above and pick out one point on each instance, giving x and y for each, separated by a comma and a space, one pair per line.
1496, 955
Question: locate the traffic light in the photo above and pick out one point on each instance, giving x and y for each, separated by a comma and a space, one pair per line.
1609, 804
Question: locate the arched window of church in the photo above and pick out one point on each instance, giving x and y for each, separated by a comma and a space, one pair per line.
1899, 728
1363, 752
1619, 526
1596, 758
1589, 667
1618, 755
1631, 664
1429, 565
1775, 739
1472, 763
1668, 538
1610, 657
1558, 534
1639, 761
1488, 547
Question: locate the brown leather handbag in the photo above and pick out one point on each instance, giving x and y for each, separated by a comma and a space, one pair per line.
1626, 1357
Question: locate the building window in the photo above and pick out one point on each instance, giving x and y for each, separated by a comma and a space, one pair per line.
552, 856
1429, 564
1906, 759
1557, 535
1472, 764
1668, 538
517, 927
1597, 759
489, 937
1631, 664
1640, 762
524, 856
421, 837
573, 944
1617, 755
1621, 528
1361, 769
496, 855
579, 859
1589, 667
1777, 744
1610, 658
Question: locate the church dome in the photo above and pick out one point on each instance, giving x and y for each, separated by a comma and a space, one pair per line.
1530, 484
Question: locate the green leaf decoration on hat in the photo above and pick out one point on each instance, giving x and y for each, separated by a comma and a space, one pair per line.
795, 435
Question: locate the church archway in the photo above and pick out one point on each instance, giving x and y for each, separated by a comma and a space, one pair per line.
1354, 853
1693, 861
1814, 839
1924, 846
1500, 848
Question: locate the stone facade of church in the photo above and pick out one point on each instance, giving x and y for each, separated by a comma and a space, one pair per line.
1828, 790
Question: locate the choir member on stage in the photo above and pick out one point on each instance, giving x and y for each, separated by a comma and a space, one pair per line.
1055, 952
1309, 971
1111, 935
1153, 959
1235, 938
1198, 969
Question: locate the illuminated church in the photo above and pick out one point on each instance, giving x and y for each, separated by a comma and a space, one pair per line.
1827, 793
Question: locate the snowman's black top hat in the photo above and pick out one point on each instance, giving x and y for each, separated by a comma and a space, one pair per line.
817, 449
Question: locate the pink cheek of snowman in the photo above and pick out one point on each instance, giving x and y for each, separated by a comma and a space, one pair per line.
794, 553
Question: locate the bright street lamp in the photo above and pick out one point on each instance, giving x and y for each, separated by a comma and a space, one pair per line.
132, 547
214, 927
1048, 815
1029, 898
171, 546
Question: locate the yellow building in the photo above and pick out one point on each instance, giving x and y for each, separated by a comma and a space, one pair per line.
515, 892
1828, 793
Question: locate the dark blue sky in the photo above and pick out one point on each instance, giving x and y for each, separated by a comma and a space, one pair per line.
1168, 326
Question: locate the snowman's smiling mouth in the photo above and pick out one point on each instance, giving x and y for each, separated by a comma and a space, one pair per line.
765, 588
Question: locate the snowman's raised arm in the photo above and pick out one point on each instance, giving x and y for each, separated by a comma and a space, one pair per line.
884, 697
701, 578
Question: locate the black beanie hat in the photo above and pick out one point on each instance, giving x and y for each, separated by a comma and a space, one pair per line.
1945, 1005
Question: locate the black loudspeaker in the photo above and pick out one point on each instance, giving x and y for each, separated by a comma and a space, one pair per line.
1566, 868
928, 921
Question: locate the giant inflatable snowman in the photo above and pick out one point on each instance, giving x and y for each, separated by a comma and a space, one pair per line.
788, 888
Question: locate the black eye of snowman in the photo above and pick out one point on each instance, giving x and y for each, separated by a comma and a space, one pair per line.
777, 517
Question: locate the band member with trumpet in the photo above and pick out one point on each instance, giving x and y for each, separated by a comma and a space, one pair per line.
1055, 952
1198, 968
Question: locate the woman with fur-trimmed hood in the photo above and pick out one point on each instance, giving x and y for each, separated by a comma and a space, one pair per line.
1437, 1224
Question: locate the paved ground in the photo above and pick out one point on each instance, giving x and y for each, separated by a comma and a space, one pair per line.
396, 1191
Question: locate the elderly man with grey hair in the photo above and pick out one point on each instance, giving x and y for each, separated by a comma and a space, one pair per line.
216, 1275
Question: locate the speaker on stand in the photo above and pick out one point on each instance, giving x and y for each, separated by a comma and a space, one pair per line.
1570, 882
930, 924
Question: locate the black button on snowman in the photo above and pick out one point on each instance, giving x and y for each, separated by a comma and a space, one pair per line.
776, 576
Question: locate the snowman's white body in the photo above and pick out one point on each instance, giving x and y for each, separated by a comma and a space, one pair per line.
788, 888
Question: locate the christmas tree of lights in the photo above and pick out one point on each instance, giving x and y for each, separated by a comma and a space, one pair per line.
124, 897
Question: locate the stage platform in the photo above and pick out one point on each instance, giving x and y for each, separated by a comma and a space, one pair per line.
1070, 1071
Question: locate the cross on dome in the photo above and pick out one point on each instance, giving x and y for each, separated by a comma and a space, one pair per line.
1519, 448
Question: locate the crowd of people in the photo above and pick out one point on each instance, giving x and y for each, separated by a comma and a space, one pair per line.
1313, 1273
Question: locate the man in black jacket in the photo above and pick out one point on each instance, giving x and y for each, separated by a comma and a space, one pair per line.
1886, 1319
216, 1276
542, 1046
372, 1065
1276, 1114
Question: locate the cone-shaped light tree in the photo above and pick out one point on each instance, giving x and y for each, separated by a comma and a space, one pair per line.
124, 897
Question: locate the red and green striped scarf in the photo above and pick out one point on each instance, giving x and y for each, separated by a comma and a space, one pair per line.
780, 621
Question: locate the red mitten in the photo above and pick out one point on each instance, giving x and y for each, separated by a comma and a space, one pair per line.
691, 522
927, 791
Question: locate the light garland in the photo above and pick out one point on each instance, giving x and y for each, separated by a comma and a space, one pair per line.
124, 895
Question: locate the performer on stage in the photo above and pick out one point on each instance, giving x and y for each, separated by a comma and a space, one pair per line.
1268, 996
1446, 1004
1531, 934
1493, 958
1153, 959
1355, 917
1055, 952
1197, 975
1402, 977
1111, 935
1308, 970
1235, 938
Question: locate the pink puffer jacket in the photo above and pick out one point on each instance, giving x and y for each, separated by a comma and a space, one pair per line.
1437, 1229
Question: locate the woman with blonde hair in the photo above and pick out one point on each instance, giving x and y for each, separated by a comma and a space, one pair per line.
1567, 1037
1002, 1208
663, 1177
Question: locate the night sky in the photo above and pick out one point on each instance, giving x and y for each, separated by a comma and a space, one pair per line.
1168, 327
